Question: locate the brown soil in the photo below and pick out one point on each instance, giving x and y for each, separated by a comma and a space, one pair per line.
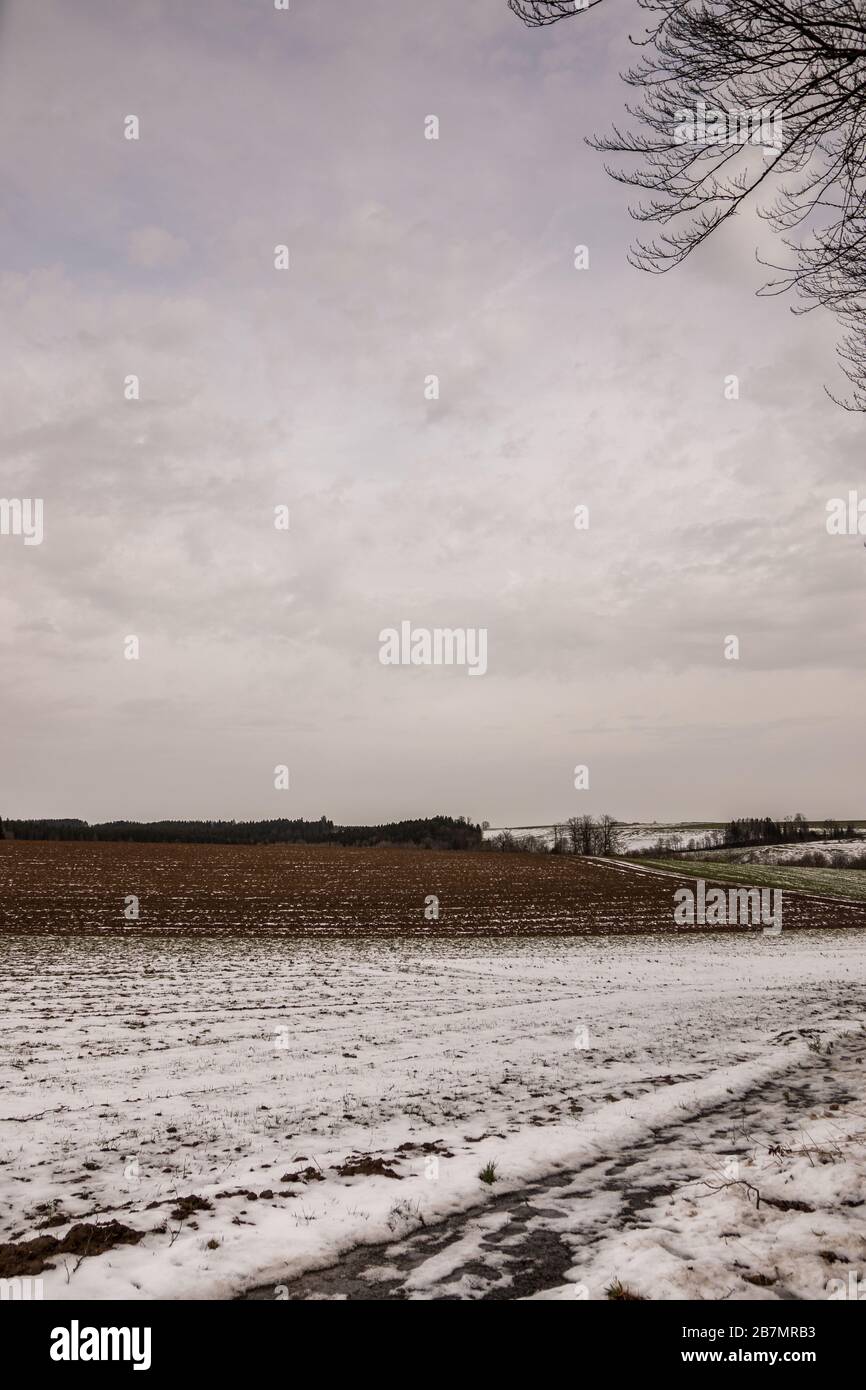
313, 890
304, 1175
29, 1257
363, 1165
186, 1206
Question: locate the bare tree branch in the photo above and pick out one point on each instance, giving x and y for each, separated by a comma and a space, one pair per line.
538, 12
752, 104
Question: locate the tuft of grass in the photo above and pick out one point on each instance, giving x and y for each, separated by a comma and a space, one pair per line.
621, 1293
488, 1173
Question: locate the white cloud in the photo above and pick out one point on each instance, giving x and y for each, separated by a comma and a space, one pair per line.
153, 248
306, 387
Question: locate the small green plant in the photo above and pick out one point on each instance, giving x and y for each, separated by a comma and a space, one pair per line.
621, 1292
488, 1173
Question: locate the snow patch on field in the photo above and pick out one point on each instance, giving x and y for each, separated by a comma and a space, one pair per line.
792, 854
780, 1216
257, 1073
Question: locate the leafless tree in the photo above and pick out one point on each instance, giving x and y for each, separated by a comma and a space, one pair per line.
588, 835
800, 64
608, 835
531, 844
573, 827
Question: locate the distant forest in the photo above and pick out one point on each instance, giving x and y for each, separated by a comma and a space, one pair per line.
766, 831
433, 832
752, 831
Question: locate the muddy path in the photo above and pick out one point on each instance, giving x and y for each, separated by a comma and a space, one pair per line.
521, 1243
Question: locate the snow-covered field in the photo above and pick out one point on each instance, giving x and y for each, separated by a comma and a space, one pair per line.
793, 854
633, 836
612, 1082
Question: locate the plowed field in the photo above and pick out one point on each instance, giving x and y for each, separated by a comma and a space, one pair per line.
322, 890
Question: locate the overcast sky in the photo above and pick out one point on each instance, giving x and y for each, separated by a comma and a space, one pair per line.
260, 387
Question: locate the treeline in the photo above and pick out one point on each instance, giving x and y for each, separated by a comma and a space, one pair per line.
751, 831
792, 830
432, 832
579, 835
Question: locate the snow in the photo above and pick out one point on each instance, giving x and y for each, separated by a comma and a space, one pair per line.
137, 1070
720, 1233
793, 853
633, 836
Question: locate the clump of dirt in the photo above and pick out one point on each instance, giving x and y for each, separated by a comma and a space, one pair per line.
784, 1204
364, 1165
32, 1256
254, 1196
436, 1146
310, 1174
187, 1205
